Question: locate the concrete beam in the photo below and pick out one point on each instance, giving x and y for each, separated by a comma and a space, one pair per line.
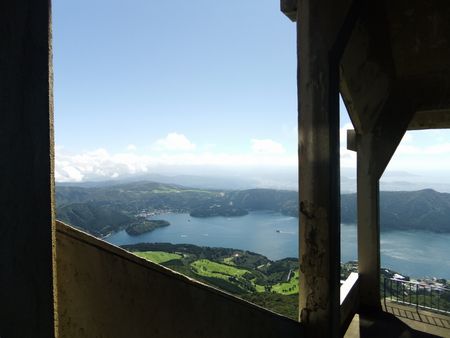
388, 131
289, 8
351, 140
367, 70
431, 119
26, 171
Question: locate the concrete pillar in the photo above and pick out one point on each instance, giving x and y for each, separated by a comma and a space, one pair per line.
368, 225
319, 172
26, 186
375, 148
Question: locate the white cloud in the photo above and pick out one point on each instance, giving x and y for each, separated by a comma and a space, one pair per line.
425, 151
422, 150
348, 158
99, 164
174, 142
131, 147
68, 173
267, 146
407, 138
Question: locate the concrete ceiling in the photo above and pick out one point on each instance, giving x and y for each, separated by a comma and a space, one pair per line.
399, 56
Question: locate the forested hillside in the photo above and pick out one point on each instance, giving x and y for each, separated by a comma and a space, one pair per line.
105, 209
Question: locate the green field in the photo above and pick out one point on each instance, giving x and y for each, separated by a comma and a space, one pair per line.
158, 256
229, 260
207, 268
287, 288
244, 274
241, 277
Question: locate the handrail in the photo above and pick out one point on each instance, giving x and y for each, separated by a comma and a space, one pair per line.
410, 282
434, 298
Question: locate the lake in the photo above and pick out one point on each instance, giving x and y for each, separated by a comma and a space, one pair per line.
414, 253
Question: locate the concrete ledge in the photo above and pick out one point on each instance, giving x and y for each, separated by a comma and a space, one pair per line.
105, 291
349, 300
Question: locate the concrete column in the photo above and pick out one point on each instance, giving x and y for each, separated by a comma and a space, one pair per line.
368, 225
319, 172
375, 148
26, 185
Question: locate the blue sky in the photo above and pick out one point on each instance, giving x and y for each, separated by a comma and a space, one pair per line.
144, 86
146, 68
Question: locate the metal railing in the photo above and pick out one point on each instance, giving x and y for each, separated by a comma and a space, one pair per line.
420, 295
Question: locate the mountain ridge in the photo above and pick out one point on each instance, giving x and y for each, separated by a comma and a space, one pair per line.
104, 209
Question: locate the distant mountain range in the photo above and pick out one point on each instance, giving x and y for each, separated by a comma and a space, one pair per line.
286, 179
106, 208
406, 210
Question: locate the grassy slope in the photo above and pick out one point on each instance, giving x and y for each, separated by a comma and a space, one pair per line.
244, 274
287, 288
158, 256
283, 297
207, 268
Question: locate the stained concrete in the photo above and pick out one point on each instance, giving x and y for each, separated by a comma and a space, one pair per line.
26, 170
368, 223
104, 291
398, 48
318, 27
394, 64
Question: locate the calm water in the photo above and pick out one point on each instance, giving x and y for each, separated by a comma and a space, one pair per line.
415, 253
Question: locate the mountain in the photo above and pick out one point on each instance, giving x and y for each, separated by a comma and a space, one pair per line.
284, 201
128, 202
230, 181
99, 218
406, 210
102, 209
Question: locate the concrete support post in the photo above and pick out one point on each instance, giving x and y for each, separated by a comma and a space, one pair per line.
319, 172
26, 185
368, 225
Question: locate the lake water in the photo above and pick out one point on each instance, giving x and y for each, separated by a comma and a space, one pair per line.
414, 253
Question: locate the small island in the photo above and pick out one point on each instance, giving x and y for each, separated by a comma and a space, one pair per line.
144, 225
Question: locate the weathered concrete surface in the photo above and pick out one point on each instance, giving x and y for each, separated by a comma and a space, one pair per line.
367, 70
26, 292
398, 47
104, 291
318, 25
394, 77
374, 151
368, 208
430, 119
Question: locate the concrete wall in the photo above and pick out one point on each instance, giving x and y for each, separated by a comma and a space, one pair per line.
104, 291
26, 293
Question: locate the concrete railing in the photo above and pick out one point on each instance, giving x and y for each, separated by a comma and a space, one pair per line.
104, 291
349, 300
